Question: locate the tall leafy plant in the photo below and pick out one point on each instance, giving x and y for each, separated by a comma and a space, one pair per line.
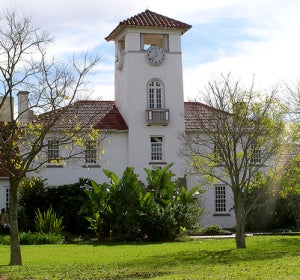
172, 206
48, 222
124, 200
125, 209
97, 209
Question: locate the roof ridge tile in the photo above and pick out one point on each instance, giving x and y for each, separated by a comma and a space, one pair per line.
148, 19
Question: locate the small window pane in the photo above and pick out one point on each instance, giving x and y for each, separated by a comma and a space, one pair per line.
7, 198
91, 152
155, 95
220, 199
53, 150
256, 153
156, 148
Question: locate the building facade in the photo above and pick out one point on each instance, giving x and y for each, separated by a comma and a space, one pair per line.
145, 122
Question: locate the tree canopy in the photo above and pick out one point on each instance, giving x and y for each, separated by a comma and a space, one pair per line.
50, 85
237, 138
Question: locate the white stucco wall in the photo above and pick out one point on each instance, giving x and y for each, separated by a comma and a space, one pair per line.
131, 99
210, 217
114, 158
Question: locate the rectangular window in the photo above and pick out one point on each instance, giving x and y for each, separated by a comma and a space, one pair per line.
53, 151
7, 198
220, 199
151, 98
218, 153
255, 153
91, 152
158, 99
157, 148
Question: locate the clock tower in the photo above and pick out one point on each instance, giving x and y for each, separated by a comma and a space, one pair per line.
149, 88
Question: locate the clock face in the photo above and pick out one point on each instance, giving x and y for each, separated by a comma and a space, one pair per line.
155, 55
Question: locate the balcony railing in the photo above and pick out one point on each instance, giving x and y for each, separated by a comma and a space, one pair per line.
157, 116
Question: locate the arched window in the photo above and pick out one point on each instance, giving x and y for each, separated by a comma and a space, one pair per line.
155, 90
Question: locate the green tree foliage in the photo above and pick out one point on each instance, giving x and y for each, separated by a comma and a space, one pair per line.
290, 187
65, 200
125, 209
124, 202
32, 195
170, 206
97, 208
238, 135
263, 199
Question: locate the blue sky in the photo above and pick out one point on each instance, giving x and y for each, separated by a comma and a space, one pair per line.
254, 37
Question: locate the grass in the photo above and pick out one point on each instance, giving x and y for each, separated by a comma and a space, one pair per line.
267, 257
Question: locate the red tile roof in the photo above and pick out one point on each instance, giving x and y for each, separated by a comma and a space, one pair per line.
105, 115
149, 19
198, 115
90, 113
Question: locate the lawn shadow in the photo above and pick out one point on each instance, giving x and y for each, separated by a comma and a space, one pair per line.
270, 249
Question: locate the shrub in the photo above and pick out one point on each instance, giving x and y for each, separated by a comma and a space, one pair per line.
65, 200
40, 238
48, 222
4, 239
30, 238
212, 229
125, 209
33, 195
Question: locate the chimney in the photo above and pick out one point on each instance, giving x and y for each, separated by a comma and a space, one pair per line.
5, 110
23, 112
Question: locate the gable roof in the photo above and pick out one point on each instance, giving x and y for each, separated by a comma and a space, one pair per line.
149, 19
197, 115
105, 115
89, 113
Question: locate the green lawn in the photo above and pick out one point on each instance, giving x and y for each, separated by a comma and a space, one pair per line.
267, 257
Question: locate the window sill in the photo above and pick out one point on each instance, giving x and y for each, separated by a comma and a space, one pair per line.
221, 215
91, 166
54, 166
157, 162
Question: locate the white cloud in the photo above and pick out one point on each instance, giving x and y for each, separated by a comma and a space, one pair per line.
259, 36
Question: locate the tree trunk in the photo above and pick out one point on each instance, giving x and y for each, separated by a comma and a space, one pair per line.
15, 250
239, 208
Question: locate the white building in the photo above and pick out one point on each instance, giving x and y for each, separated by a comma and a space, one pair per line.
145, 121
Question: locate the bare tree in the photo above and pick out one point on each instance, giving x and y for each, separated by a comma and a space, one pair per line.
54, 87
238, 135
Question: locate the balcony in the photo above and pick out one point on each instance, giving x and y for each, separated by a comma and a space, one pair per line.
157, 116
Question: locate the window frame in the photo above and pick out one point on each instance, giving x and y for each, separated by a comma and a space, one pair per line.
157, 149
220, 199
155, 94
7, 197
218, 152
53, 151
91, 152
255, 153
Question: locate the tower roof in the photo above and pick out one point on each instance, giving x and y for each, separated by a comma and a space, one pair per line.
149, 19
